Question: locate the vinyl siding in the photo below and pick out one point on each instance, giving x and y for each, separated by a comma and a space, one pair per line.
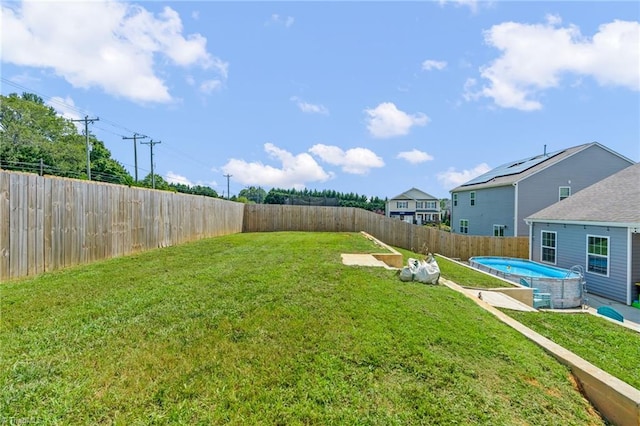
635, 265
571, 249
493, 206
577, 172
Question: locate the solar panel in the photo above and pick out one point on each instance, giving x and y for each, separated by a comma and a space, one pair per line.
512, 168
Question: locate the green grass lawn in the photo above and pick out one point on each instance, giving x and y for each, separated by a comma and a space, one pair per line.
461, 275
266, 328
606, 345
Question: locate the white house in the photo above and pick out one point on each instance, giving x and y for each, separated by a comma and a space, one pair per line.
414, 206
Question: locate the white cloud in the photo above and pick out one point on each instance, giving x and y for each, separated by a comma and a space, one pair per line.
210, 86
66, 107
431, 64
415, 156
281, 20
176, 178
295, 171
355, 160
452, 178
471, 4
116, 46
386, 121
535, 57
310, 108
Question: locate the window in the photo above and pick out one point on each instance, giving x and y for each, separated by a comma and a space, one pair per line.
402, 204
564, 192
548, 247
419, 204
431, 204
455, 199
472, 198
598, 254
464, 226
498, 230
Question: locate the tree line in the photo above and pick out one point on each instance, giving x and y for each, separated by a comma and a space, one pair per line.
35, 139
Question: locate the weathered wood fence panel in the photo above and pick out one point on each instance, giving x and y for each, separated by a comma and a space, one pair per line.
271, 218
49, 223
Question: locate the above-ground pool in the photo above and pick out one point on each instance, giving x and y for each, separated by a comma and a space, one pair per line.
564, 285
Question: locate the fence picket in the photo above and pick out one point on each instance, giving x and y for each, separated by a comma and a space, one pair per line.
47, 223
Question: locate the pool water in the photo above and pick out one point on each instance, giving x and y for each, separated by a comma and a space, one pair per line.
565, 286
522, 267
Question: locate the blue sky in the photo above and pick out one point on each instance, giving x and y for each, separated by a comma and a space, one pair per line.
365, 97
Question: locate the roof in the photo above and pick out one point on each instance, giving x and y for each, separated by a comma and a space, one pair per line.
514, 171
414, 194
615, 200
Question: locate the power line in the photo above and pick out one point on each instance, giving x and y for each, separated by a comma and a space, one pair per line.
135, 137
86, 120
228, 176
121, 130
151, 143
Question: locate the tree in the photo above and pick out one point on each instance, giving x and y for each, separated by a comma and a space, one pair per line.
32, 132
106, 169
160, 183
254, 194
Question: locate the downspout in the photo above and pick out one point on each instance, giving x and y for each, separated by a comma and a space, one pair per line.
452, 229
515, 209
531, 225
629, 248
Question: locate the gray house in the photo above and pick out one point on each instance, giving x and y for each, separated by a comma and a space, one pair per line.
599, 229
414, 206
497, 202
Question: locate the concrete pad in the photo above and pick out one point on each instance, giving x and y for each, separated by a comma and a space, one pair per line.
362, 260
499, 300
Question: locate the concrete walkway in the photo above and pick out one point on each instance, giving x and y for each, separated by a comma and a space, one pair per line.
499, 300
363, 260
631, 315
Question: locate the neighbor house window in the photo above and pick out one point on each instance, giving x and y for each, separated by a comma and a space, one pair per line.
548, 247
472, 198
464, 226
598, 254
419, 204
564, 192
402, 204
455, 199
431, 205
498, 230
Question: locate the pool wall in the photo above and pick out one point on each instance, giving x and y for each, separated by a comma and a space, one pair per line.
565, 292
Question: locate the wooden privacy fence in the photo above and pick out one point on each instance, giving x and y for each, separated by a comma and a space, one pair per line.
269, 218
48, 223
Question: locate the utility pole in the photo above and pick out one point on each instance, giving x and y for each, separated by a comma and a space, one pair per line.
151, 143
87, 120
135, 137
228, 176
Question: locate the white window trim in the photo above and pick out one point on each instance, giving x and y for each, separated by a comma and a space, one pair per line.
472, 198
560, 188
555, 248
402, 204
496, 226
608, 257
454, 199
460, 226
